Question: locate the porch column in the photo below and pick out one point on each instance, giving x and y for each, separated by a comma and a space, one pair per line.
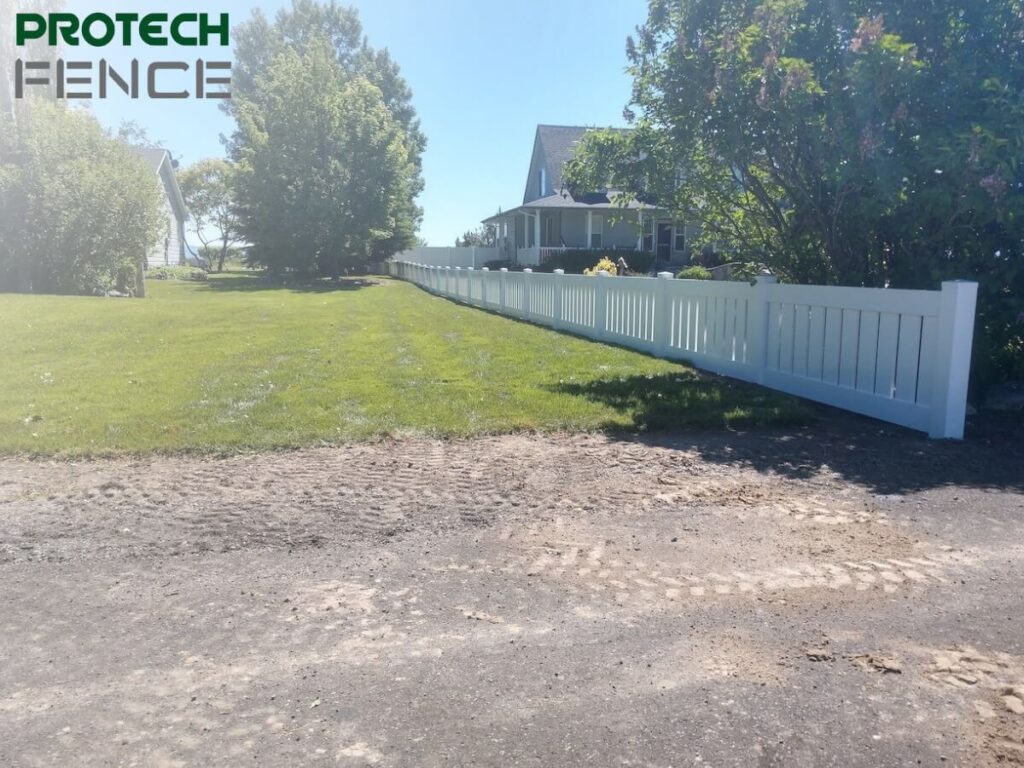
536, 229
640, 237
590, 228
526, 231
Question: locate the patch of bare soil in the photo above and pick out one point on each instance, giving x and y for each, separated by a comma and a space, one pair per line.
778, 599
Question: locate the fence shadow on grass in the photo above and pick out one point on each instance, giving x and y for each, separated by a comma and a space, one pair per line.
690, 400
256, 281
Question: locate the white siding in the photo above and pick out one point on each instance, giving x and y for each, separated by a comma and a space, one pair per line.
168, 250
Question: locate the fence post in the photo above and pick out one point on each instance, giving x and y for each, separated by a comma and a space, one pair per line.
559, 286
759, 333
662, 315
483, 286
501, 290
469, 285
953, 358
526, 292
448, 281
601, 306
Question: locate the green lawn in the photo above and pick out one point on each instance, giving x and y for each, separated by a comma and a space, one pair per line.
235, 365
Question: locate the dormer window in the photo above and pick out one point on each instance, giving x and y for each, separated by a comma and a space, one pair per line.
543, 181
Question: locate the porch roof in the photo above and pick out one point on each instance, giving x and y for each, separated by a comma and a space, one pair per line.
565, 201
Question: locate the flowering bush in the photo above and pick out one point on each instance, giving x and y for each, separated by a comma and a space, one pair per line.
605, 264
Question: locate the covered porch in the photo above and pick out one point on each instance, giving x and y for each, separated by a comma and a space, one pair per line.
530, 234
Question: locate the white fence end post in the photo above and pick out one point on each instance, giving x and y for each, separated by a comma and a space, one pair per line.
957, 304
501, 289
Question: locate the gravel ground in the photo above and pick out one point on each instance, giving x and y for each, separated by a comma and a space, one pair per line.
848, 595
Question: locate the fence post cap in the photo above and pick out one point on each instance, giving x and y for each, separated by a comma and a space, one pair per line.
469, 268
665, 275
766, 278
528, 271
559, 272
602, 273
447, 267
484, 269
504, 269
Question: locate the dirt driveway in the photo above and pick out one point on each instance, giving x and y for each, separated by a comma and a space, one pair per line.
845, 595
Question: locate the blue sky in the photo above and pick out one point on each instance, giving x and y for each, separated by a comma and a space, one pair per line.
483, 75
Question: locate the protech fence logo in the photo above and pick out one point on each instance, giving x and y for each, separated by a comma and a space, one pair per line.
197, 78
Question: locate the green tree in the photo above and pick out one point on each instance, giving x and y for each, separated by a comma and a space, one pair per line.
208, 189
344, 189
482, 237
323, 169
862, 142
79, 209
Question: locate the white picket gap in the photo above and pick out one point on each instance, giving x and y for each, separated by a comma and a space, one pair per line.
897, 355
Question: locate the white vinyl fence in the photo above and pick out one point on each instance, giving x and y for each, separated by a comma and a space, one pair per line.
900, 356
440, 256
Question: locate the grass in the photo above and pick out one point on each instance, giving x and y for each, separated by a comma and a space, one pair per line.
235, 364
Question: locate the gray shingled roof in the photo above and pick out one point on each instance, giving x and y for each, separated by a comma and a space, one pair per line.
153, 156
565, 201
559, 143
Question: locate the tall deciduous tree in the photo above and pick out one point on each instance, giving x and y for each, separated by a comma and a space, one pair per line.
328, 144
208, 189
79, 209
864, 142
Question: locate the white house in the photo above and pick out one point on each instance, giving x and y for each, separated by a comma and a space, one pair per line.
169, 250
551, 219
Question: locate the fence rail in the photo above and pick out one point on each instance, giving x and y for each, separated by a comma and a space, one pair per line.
900, 356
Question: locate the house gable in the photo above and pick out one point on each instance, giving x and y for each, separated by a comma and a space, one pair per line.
553, 147
170, 247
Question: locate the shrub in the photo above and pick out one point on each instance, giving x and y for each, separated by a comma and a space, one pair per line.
694, 273
78, 208
575, 262
500, 264
177, 273
605, 264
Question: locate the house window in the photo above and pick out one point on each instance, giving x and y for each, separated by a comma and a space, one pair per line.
648, 246
543, 181
680, 177
679, 242
596, 232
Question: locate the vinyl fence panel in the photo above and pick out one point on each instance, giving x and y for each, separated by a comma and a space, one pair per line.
897, 355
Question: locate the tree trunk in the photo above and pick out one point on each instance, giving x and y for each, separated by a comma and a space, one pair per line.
140, 282
223, 256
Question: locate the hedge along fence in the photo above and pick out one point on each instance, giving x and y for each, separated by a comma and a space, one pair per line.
900, 356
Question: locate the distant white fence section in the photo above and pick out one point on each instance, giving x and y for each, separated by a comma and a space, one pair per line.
433, 256
900, 356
